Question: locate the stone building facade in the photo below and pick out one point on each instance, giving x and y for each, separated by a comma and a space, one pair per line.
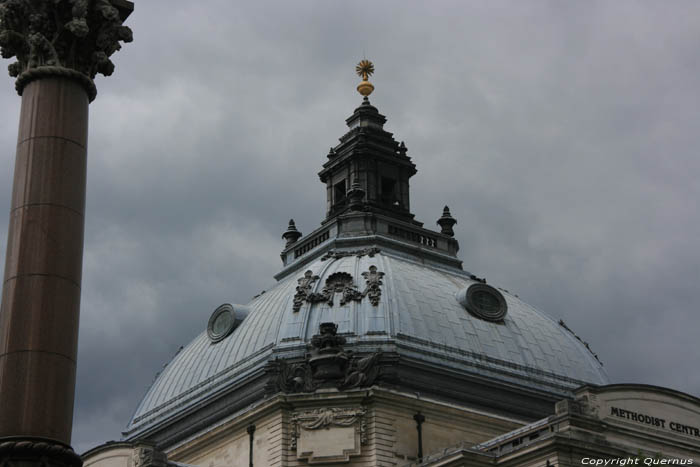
376, 348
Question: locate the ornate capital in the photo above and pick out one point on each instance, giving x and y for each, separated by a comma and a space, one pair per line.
69, 38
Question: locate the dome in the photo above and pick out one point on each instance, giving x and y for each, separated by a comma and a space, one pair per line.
417, 315
382, 299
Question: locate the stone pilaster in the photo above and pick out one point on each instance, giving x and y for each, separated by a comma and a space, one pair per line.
59, 46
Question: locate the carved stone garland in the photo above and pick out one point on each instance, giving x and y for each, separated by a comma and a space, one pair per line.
328, 417
69, 38
338, 282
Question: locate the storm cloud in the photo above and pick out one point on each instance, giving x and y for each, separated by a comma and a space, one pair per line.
564, 136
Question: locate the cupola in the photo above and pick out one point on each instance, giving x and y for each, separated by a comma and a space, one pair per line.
371, 156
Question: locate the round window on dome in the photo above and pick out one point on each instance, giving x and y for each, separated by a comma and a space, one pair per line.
221, 323
484, 302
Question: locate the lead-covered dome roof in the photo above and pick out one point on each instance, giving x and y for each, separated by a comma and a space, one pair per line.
417, 315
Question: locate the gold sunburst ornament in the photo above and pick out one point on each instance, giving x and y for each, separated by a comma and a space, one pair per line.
364, 70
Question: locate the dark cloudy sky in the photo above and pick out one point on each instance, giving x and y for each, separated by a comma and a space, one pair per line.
563, 135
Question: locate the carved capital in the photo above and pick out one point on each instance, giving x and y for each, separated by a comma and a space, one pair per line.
68, 38
303, 290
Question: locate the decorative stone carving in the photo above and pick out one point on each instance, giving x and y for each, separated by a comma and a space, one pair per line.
296, 377
332, 254
148, 456
327, 359
567, 406
303, 289
374, 280
361, 372
329, 434
338, 282
71, 38
590, 405
142, 457
328, 339
586, 404
324, 417
327, 365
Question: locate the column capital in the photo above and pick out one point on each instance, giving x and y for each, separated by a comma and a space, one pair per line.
67, 38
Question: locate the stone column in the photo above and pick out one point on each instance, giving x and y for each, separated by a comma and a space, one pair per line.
60, 46
41, 291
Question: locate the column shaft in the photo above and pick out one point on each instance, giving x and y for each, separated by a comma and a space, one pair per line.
41, 289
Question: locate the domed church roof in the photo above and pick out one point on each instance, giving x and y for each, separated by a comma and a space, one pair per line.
403, 311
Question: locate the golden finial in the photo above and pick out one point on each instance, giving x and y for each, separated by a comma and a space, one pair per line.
365, 69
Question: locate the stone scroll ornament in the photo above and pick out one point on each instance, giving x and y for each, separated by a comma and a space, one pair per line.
69, 38
374, 281
303, 290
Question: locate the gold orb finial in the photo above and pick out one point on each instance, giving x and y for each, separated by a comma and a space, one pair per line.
365, 69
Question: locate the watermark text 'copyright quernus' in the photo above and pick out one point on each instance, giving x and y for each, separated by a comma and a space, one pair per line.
620, 461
